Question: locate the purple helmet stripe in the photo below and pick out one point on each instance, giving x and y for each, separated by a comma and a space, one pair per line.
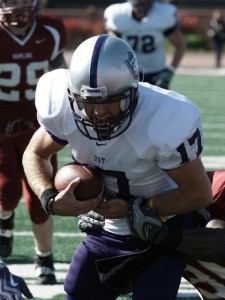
94, 60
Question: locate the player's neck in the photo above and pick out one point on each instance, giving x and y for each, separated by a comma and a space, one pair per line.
19, 32
138, 17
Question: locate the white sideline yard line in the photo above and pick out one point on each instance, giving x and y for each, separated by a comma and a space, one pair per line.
56, 234
214, 162
200, 71
27, 271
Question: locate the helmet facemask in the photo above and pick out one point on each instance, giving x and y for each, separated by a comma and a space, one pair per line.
99, 130
19, 16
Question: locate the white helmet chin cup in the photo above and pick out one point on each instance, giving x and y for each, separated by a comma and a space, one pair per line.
103, 67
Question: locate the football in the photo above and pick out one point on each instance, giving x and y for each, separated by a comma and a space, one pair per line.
91, 185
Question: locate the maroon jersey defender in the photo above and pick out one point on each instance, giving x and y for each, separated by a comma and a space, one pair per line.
209, 277
22, 62
31, 45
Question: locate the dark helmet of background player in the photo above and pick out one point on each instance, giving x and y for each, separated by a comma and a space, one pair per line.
141, 7
19, 15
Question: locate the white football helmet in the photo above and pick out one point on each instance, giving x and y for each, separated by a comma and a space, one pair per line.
103, 69
19, 16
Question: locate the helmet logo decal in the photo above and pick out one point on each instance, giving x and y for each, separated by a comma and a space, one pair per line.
132, 65
94, 60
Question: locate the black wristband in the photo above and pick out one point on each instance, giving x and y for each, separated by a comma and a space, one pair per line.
173, 238
47, 199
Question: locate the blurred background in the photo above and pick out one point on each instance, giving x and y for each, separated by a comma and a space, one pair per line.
84, 18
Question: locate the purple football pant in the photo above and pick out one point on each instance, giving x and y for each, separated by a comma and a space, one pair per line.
159, 281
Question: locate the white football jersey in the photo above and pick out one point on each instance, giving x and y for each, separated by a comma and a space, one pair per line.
165, 133
147, 36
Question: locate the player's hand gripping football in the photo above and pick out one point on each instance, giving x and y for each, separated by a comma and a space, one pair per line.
145, 222
12, 287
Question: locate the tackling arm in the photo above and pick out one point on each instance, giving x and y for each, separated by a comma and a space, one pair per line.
205, 244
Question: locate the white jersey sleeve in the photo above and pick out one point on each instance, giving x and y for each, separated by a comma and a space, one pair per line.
147, 36
174, 131
53, 105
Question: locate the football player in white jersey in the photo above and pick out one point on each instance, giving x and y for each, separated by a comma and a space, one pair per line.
146, 25
145, 141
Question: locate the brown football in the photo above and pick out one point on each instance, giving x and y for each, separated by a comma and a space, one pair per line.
91, 184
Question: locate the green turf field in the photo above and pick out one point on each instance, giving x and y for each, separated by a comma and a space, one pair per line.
208, 93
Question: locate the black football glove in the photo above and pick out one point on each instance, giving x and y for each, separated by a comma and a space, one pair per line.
144, 222
91, 222
11, 286
164, 78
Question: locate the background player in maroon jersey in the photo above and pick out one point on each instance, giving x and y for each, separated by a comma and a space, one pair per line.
31, 44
